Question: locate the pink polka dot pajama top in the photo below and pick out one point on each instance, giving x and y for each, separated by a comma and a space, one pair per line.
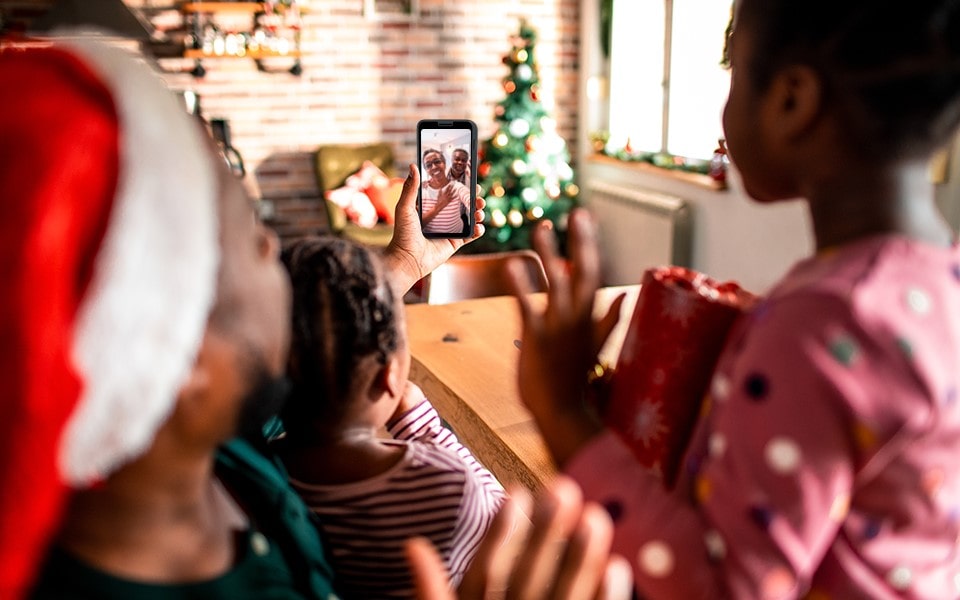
827, 463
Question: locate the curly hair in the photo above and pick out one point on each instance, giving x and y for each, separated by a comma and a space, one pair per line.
892, 68
343, 312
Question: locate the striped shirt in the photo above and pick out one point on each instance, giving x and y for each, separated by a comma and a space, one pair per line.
438, 491
449, 219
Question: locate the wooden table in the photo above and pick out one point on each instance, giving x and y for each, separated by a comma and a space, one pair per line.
464, 357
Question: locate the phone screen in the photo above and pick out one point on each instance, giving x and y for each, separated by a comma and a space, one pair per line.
447, 153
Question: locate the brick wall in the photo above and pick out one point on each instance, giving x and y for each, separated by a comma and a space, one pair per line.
370, 77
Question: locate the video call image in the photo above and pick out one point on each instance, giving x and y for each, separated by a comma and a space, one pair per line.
445, 176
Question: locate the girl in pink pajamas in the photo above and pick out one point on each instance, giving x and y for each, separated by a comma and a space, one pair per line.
827, 464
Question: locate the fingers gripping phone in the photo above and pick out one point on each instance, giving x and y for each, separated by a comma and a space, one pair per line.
447, 200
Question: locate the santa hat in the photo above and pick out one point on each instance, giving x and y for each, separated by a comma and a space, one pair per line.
109, 255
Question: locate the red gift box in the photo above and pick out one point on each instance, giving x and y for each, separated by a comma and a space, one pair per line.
673, 341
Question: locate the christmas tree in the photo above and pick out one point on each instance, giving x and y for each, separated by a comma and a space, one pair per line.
523, 171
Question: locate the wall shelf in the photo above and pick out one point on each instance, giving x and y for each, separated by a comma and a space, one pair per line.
273, 34
250, 54
235, 7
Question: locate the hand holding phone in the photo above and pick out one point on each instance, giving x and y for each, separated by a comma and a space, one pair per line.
447, 151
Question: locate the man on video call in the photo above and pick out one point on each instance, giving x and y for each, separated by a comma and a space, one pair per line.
446, 202
460, 169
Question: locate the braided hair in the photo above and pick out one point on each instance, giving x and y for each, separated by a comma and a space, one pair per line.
893, 69
343, 313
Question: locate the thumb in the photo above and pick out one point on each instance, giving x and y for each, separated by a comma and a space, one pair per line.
408, 195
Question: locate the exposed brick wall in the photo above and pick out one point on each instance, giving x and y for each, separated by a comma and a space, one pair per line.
370, 78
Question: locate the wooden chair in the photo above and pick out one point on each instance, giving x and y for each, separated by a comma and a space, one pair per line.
481, 275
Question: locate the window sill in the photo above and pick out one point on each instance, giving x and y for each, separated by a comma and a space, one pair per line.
703, 181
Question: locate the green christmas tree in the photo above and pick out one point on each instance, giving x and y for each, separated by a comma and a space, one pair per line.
523, 169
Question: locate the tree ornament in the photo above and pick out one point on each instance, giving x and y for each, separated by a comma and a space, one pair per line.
498, 219
519, 167
529, 195
498, 191
515, 217
535, 213
572, 189
531, 144
484, 169
520, 55
524, 72
519, 128
509, 86
500, 140
535, 93
499, 110
553, 190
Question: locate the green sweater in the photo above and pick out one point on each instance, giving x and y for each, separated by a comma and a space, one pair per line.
280, 557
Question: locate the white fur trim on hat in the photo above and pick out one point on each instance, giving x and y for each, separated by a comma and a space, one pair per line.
144, 314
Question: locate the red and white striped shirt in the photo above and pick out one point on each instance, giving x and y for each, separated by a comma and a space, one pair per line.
438, 491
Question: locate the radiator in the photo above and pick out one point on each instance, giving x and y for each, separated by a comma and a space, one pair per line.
638, 229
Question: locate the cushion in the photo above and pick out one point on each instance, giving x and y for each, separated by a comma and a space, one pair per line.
355, 204
383, 191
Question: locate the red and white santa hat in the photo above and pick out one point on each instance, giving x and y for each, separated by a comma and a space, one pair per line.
109, 254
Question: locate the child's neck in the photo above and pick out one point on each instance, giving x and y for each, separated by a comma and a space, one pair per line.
898, 200
338, 455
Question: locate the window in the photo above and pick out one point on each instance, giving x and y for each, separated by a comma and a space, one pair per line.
667, 87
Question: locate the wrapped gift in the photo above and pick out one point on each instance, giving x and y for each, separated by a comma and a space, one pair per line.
673, 341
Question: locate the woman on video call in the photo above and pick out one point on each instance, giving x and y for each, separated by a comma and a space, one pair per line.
445, 201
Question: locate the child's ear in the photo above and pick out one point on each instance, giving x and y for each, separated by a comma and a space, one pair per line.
390, 379
795, 102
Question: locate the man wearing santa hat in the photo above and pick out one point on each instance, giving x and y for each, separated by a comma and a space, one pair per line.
143, 323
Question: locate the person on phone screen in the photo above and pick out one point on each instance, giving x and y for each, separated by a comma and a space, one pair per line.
445, 202
460, 169
350, 367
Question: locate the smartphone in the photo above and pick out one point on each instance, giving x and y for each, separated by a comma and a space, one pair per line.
447, 155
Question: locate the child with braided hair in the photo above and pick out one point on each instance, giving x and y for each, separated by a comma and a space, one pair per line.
349, 364
827, 461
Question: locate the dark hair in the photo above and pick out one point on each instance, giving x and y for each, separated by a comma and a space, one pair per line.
892, 68
433, 151
343, 312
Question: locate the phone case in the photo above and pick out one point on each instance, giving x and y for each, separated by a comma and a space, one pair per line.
447, 198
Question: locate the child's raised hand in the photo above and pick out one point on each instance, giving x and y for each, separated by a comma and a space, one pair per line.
560, 344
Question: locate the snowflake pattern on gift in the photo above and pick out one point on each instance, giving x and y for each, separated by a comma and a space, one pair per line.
679, 308
648, 425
